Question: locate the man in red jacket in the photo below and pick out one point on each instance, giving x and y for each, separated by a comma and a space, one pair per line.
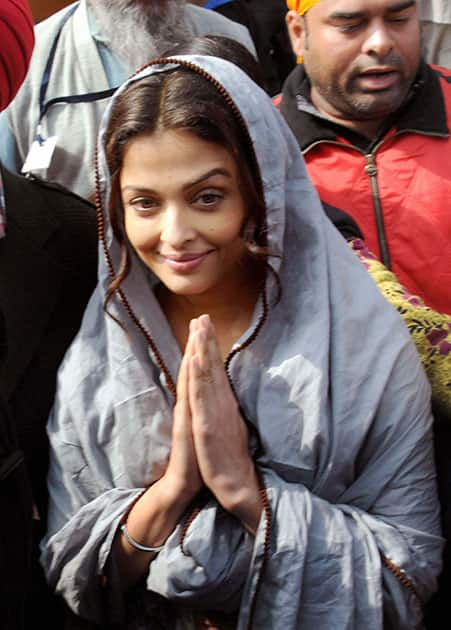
373, 119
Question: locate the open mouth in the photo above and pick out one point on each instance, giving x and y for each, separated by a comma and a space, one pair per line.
375, 80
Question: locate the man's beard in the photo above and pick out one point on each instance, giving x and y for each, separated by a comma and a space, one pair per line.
139, 30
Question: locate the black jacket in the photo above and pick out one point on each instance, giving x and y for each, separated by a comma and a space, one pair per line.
265, 20
48, 270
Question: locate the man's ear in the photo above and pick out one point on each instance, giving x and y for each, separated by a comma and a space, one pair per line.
296, 31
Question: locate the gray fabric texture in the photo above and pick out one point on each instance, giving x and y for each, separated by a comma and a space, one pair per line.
333, 386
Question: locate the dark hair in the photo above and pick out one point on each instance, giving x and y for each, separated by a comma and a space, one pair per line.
183, 99
225, 48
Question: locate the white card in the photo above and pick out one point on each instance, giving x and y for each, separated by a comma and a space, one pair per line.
40, 155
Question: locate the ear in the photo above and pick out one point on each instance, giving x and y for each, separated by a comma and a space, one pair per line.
296, 31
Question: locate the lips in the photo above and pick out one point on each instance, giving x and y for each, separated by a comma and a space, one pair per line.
186, 262
378, 79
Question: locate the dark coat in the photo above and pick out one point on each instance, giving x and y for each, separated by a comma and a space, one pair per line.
48, 270
265, 20
16, 509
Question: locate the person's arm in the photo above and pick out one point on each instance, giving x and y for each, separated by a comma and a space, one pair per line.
155, 515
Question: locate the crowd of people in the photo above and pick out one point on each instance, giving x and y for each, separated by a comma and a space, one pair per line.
225, 315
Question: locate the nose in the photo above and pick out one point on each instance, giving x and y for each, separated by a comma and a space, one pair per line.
177, 226
378, 42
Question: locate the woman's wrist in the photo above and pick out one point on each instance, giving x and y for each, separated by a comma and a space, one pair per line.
243, 500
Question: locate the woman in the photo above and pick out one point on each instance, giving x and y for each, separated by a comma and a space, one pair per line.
292, 484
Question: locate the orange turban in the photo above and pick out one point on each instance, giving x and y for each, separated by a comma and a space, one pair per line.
16, 46
301, 6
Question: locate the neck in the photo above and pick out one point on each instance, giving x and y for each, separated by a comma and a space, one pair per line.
230, 309
368, 128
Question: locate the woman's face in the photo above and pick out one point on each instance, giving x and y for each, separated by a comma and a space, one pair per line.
184, 211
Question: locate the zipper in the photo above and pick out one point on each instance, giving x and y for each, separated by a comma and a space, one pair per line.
371, 170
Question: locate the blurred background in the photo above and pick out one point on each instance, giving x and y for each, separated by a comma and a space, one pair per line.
43, 8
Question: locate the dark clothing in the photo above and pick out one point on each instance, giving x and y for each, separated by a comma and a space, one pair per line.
48, 270
265, 20
15, 523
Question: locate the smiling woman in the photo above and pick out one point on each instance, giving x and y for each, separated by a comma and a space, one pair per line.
232, 431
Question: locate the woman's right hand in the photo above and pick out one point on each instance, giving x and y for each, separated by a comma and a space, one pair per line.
157, 512
182, 473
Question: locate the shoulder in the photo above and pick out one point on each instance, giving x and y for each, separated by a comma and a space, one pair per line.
45, 212
45, 35
46, 29
46, 196
206, 22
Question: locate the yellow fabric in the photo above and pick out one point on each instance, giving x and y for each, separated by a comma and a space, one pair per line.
430, 330
301, 6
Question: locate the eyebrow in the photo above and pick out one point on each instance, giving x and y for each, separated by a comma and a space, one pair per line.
199, 180
394, 8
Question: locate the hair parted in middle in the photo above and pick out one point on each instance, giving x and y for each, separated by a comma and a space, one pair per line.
185, 100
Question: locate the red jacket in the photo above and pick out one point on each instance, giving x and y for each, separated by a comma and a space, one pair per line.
399, 189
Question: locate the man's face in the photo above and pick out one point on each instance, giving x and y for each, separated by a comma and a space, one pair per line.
361, 55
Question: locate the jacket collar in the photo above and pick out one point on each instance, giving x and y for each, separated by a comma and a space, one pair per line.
425, 112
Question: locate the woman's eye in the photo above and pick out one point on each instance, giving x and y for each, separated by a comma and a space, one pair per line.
143, 204
209, 199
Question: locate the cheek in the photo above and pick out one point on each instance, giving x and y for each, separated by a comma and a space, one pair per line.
141, 234
223, 231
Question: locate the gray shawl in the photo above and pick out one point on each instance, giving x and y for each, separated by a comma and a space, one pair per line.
334, 388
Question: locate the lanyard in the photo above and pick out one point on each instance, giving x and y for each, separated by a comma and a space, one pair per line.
44, 105
214, 4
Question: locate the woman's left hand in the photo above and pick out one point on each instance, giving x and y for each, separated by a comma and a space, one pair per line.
219, 431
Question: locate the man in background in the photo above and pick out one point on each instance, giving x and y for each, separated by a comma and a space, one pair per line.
373, 121
82, 53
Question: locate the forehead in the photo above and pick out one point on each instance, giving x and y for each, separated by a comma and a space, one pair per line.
327, 7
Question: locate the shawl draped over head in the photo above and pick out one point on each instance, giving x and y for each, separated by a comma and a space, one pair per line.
333, 387
16, 47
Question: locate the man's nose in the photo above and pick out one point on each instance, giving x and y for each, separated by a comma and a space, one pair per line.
379, 41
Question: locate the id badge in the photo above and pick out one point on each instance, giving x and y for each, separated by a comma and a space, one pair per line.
40, 154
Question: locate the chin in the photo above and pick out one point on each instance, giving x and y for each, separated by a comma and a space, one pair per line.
186, 288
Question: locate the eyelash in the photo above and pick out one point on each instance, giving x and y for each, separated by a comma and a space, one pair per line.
353, 27
138, 203
206, 199
214, 197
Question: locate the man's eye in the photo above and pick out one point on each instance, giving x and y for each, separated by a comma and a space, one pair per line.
350, 27
399, 19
